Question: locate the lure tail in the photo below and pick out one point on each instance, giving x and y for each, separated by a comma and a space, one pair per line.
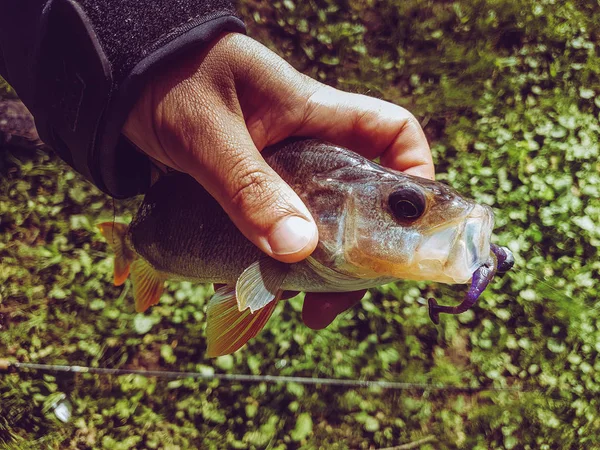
148, 283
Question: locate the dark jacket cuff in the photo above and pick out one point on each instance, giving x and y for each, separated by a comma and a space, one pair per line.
93, 62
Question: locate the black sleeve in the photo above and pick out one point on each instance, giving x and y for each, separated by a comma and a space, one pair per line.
79, 66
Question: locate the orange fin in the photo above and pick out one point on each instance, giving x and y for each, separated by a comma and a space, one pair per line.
148, 284
228, 328
115, 234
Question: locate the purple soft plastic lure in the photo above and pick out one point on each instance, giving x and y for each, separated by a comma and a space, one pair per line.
501, 260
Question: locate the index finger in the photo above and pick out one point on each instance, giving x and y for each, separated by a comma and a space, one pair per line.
369, 126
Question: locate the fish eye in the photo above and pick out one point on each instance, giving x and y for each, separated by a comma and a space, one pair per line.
407, 203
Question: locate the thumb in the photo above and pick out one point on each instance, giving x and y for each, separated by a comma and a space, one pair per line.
265, 209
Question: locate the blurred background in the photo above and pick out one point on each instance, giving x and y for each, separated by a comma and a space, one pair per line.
508, 94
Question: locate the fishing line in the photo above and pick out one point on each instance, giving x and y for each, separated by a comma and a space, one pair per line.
114, 212
9, 366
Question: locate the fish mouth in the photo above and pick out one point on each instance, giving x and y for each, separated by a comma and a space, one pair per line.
453, 253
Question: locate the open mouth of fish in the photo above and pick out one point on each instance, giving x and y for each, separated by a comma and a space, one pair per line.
463, 252
455, 252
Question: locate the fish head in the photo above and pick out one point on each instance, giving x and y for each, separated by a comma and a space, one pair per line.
405, 227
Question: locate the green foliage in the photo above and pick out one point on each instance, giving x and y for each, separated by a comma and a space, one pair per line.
5, 89
508, 93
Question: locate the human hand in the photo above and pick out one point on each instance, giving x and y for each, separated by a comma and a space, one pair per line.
212, 114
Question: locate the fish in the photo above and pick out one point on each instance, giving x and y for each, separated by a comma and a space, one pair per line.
376, 225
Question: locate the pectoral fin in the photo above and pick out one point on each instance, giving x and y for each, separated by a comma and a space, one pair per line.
228, 328
260, 283
148, 284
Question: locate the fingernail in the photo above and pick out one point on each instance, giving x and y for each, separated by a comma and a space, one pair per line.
291, 235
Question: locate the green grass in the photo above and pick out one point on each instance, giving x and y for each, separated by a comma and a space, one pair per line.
508, 93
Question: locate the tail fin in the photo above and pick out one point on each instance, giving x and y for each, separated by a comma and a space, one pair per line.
115, 234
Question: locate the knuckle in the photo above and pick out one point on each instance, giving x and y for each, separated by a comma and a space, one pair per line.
367, 122
408, 130
410, 122
253, 191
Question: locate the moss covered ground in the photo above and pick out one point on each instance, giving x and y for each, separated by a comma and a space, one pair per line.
508, 94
